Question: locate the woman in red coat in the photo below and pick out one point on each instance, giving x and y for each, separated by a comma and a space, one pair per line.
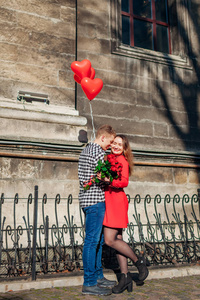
116, 216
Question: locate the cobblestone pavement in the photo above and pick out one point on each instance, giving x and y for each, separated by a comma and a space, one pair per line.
181, 288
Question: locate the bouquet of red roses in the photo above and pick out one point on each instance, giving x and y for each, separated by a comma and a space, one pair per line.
110, 168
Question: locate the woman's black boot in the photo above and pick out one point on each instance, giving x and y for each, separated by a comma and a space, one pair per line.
125, 282
142, 268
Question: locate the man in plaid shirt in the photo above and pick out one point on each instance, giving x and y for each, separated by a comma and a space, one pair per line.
92, 201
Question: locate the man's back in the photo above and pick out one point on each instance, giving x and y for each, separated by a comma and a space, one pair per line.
88, 160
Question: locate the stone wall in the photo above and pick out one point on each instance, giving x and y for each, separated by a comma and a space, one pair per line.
37, 43
37, 46
155, 102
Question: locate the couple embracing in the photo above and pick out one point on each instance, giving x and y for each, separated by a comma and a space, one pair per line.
105, 206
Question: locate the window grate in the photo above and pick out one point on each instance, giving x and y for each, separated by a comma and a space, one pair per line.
32, 97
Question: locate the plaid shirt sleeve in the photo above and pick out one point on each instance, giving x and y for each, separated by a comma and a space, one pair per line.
88, 160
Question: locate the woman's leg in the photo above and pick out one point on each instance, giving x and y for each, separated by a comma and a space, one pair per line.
112, 235
122, 260
113, 240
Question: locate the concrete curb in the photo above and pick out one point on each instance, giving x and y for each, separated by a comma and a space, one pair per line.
21, 285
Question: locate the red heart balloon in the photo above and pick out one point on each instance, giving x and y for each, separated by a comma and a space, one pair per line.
78, 79
91, 87
81, 69
92, 73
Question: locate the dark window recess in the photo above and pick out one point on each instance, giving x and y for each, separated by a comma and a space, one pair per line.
32, 97
145, 24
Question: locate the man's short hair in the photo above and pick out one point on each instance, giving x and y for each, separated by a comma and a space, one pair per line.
105, 130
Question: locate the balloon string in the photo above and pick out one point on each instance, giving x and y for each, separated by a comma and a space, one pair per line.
93, 134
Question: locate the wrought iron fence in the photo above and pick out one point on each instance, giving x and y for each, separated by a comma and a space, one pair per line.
45, 235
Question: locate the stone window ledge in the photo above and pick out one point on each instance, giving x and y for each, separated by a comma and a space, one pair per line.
152, 56
11, 109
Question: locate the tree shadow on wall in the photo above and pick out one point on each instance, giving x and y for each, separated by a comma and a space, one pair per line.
186, 88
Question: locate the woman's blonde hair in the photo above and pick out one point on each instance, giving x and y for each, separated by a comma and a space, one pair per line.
127, 151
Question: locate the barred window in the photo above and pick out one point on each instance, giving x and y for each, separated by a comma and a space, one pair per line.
152, 30
145, 24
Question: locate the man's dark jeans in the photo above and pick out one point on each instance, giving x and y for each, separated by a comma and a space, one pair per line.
92, 250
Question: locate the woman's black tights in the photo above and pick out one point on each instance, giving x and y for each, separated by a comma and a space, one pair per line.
113, 238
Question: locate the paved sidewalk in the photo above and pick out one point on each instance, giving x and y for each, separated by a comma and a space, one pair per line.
184, 288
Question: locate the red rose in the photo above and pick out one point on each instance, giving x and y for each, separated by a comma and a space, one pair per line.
111, 158
113, 168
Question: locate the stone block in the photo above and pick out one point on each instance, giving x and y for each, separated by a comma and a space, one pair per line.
55, 170
61, 96
180, 176
40, 126
178, 75
65, 171
158, 143
7, 15
111, 78
143, 84
124, 126
144, 69
94, 45
176, 104
52, 60
47, 8
147, 114
107, 62
165, 71
35, 74
161, 130
37, 40
152, 174
51, 43
163, 88
66, 79
88, 31
189, 77
177, 90
103, 32
133, 66
5, 166
8, 52
194, 176
57, 95
94, 6
194, 135
143, 99
105, 108
7, 70
131, 81
12, 34
55, 27
118, 94
95, 17
177, 132
68, 13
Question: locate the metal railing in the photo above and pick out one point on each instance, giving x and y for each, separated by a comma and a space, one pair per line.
45, 235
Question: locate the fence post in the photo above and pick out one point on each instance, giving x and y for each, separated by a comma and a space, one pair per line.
34, 233
46, 243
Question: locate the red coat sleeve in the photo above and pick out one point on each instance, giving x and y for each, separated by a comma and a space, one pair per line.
122, 182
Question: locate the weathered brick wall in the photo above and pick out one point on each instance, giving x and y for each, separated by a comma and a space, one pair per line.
20, 175
156, 104
37, 41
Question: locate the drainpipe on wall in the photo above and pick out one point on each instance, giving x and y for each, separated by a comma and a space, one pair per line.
76, 38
